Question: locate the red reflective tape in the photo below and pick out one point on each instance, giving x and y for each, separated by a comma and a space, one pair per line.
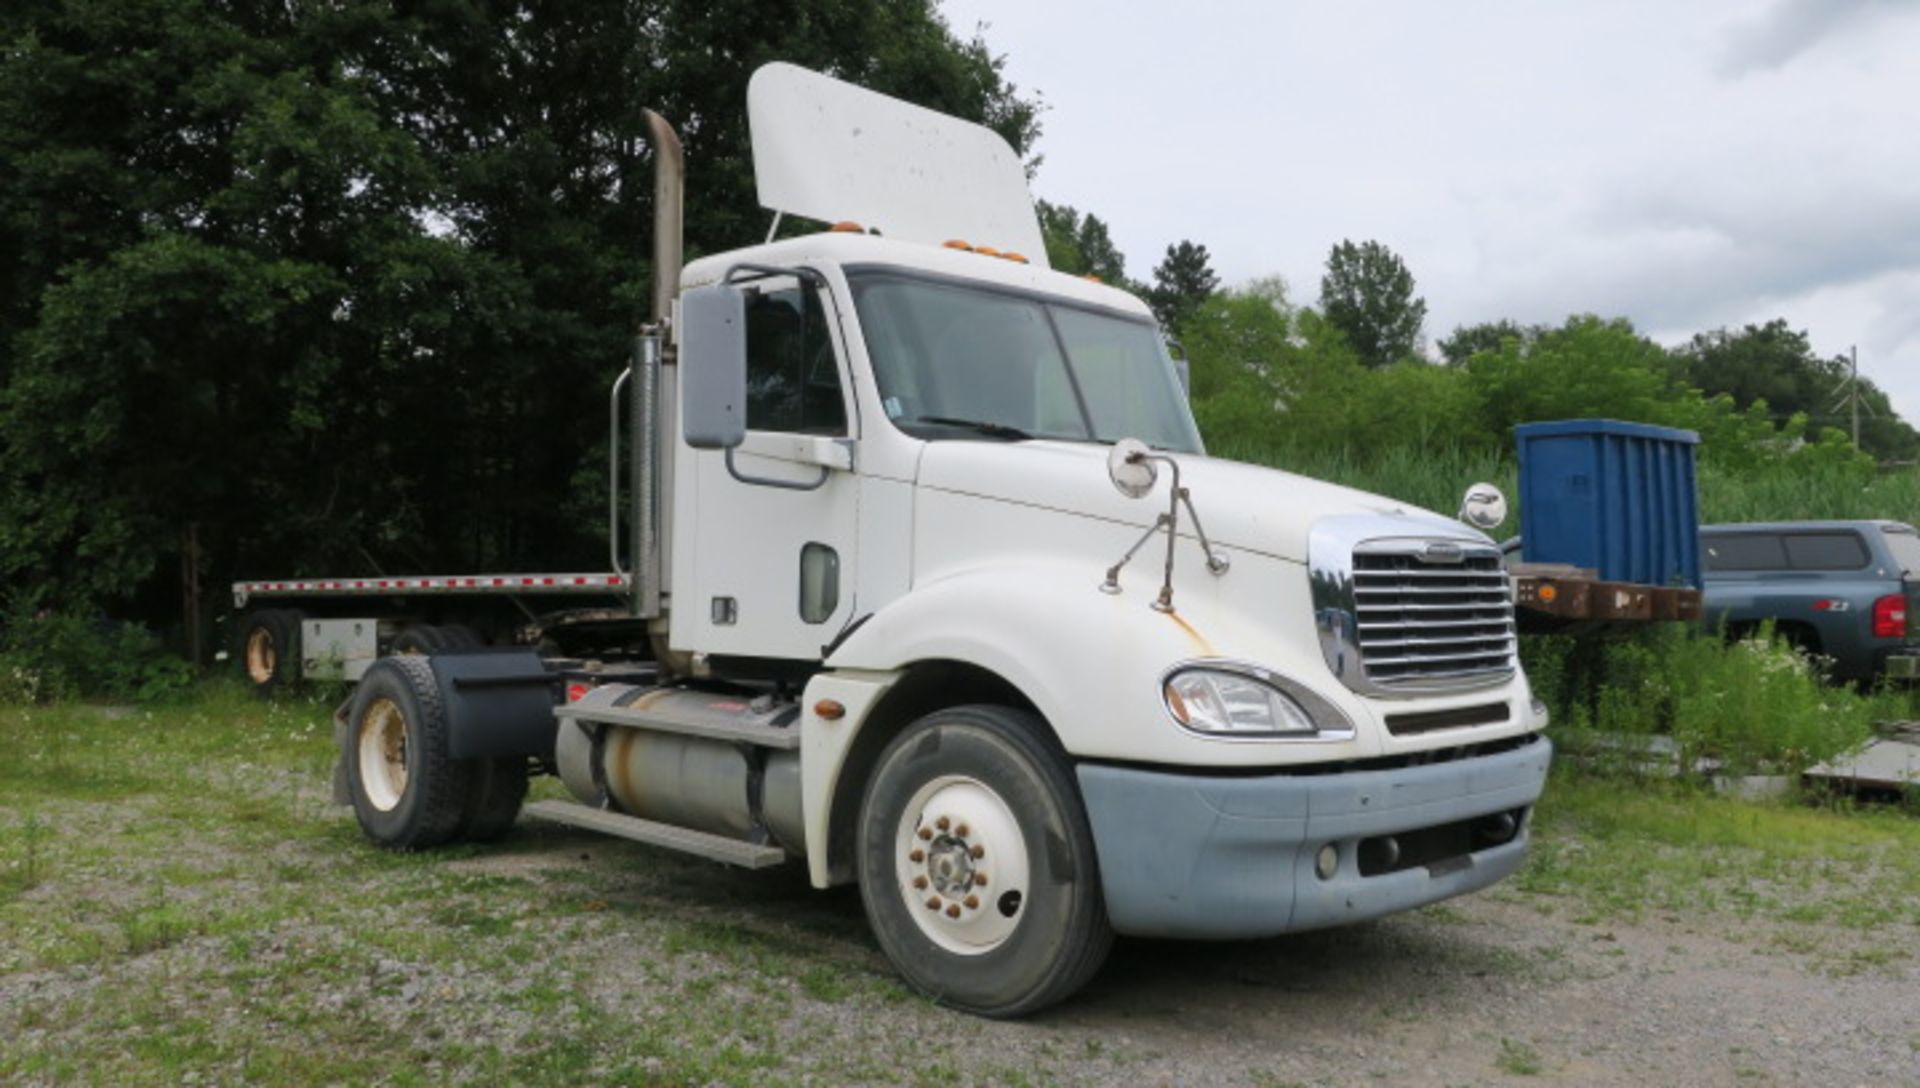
546, 581
579, 581
614, 581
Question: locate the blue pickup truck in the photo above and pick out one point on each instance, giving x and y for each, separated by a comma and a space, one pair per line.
1841, 589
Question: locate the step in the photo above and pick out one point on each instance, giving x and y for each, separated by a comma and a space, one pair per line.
664, 720
718, 847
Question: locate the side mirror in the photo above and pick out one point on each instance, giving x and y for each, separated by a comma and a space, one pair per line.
713, 367
1484, 507
1127, 466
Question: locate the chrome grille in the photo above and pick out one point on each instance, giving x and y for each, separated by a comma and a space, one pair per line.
1427, 617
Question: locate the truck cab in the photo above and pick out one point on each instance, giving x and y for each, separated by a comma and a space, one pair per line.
947, 599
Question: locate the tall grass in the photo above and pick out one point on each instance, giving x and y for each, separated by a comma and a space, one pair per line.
1779, 492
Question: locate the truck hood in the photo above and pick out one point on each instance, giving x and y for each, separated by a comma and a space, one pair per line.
1242, 507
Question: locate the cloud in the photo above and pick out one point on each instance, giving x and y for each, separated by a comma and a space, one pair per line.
1793, 27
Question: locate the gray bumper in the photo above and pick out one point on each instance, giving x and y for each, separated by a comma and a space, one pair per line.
1210, 857
1902, 665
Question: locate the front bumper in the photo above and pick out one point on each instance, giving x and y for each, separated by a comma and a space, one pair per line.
1184, 855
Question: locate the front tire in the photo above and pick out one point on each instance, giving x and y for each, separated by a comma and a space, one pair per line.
408, 792
977, 866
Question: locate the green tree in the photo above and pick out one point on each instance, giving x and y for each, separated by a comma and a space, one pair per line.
338, 285
1470, 340
1774, 365
1367, 293
1182, 281
1080, 244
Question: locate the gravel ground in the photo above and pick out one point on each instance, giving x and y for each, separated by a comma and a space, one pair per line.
1498, 988
237, 930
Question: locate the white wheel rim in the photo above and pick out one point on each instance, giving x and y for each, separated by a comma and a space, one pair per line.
962, 865
383, 754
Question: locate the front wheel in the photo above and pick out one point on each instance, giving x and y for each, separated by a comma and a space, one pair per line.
977, 865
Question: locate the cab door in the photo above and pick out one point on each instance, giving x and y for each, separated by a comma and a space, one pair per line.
764, 533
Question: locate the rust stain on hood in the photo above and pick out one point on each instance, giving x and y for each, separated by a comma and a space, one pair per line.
1199, 640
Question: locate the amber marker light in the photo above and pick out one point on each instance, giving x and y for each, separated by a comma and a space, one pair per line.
848, 226
830, 709
955, 243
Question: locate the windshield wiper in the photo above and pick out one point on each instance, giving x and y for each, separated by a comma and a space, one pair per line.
997, 430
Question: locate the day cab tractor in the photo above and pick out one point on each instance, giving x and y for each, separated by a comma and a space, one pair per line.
925, 581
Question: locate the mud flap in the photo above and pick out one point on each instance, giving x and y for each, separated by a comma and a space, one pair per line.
342, 732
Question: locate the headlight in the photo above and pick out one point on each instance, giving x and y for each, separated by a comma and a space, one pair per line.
1220, 702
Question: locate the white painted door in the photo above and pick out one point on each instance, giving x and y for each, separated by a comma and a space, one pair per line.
763, 557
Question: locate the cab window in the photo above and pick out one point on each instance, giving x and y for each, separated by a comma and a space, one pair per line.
793, 378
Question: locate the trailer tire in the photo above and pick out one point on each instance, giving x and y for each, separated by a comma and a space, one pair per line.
419, 640
408, 792
977, 865
267, 645
495, 790
458, 636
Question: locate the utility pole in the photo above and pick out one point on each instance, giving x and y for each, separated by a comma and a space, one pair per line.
1853, 389
1850, 392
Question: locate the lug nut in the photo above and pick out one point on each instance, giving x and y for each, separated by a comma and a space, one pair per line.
980, 879
978, 852
933, 903
953, 911
920, 883
961, 831
926, 833
973, 902
942, 823
917, 856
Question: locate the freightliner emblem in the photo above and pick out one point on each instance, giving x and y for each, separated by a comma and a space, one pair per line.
1441, 551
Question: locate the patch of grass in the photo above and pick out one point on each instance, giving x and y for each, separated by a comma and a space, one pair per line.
1518, 1059
1621, 851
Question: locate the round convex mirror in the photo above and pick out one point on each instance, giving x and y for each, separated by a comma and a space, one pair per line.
1133, 475
1484, 507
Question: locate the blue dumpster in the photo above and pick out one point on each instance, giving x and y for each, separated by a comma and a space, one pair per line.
1615, 497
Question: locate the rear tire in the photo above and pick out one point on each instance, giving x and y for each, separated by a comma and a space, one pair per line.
977, 865
495, 791
407, 791
267, 645
458, 636
419, 640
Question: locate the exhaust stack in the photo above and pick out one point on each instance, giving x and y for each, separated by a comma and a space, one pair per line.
650, 354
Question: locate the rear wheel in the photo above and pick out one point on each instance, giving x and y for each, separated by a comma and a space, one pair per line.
423, 639
268, 649
495, 792
407, 791
977, 866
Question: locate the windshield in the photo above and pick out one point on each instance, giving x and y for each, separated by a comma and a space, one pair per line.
956, 361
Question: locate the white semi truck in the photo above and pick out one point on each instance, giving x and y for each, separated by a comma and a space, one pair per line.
924, 580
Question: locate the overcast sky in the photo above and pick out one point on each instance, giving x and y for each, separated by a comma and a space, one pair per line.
1685, 165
